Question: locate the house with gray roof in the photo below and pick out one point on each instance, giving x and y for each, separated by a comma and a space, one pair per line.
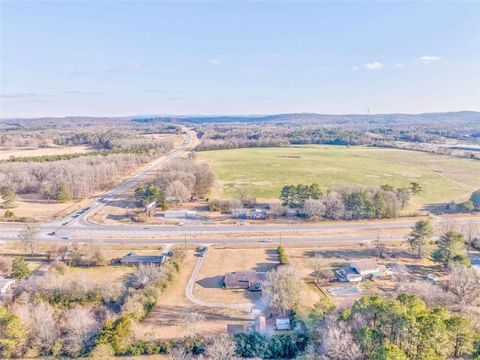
133, 259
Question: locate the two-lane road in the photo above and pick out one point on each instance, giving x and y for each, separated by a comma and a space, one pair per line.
77, 227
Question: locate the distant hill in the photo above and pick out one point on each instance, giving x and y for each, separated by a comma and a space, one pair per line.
322, 119
463, 117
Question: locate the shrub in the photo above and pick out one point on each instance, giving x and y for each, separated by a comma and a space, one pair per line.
9, 214
282, 255
20, 269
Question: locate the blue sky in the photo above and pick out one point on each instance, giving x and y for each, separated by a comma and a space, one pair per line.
128, 58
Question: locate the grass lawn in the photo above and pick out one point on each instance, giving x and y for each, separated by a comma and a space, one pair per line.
267, 170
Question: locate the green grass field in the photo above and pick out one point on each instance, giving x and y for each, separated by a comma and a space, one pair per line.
266, 170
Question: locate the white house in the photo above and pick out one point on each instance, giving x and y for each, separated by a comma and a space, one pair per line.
366, 268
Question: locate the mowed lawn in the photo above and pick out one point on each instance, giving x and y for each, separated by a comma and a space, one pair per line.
266, 170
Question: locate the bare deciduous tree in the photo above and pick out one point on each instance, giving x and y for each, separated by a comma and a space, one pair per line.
277, 209
29, 237
334, 206
222, 347
337, 341
5, 265
314, 209
281, 288
317, 264
471, 232
190, 320
42, 325
145, 275
464, 283
432, 294
178, 191
179, 353
80, 327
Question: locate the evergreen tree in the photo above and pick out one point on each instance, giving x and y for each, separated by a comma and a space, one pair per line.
475, 199
415, 188
20, 269
450, 247
420, 236
9, 197
63, 194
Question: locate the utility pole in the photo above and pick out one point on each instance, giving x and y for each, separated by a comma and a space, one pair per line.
185, 241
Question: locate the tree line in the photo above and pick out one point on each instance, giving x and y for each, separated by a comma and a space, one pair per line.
80, 177
347, 202
178, 182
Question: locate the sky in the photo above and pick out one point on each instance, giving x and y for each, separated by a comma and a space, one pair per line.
120, 58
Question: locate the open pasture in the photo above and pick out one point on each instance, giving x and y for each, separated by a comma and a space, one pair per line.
266, 170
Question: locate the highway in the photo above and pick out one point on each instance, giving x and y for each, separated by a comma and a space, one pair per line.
76, 226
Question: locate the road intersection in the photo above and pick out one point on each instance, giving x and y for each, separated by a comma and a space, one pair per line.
76, 226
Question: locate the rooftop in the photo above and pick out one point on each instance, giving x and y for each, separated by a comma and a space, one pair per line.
366, 265
132, 257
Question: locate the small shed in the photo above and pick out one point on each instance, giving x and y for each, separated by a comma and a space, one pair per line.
133, 259
282, 323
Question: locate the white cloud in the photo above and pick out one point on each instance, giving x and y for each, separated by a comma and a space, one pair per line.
374, 65
214, 62
427, 59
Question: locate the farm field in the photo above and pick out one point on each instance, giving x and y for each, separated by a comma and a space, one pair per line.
61, 150
266, 170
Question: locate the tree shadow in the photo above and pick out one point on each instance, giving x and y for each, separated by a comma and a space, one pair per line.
213, 282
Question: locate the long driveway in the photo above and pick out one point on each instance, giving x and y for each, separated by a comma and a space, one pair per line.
190, 296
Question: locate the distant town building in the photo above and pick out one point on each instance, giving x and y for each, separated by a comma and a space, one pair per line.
250, 280
133, 259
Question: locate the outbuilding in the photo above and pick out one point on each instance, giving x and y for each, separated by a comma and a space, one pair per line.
282, 324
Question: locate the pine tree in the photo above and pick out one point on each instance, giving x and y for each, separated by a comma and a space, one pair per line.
451, 247
419, 237
63, 194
